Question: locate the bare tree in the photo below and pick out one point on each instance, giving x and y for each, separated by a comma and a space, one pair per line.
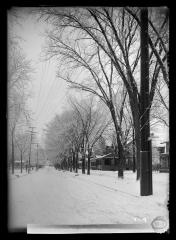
103, 82
158, 37
63, 135
94, 122
17, 95
75, 132
22, 141
115, 32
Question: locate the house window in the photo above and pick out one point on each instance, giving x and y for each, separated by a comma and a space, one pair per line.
107, 162
164, 162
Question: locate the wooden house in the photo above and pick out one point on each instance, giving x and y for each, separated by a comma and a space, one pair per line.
17, 164
164, 158
105, 162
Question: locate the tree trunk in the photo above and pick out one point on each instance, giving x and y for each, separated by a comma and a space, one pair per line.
13, 155
120, 173
119, 144
66, 164
76, 162
88, 163
134, 160
83, 163
136, 122
21, 162
70, 159
121, 159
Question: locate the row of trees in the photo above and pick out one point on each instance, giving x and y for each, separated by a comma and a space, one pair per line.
20, 73
74, 132
102, 45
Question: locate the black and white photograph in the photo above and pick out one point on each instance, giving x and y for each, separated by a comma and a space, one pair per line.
88, 119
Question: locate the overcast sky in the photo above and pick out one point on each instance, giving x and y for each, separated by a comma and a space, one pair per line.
49, 92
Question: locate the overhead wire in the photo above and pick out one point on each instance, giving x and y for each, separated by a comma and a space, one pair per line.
46, 106
42, 92
54, 108
38, 97
44, 95
41, 85
50, 91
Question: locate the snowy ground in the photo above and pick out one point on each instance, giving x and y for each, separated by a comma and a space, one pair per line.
50, 197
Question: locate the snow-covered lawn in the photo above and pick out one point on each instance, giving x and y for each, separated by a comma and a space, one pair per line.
52, 197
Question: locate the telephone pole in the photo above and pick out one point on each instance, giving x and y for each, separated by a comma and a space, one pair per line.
145, 159
29, 163
134, 160
37, 158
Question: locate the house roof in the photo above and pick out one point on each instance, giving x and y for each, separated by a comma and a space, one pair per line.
99, 156
17, 161
164, 142
165, 154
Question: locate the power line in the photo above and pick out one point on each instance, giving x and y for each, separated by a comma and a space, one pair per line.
48, 105
41, 80
53, 109
46, 98
45, 104
45, 80
36, 108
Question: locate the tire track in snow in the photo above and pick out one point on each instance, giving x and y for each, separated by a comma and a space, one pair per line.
104, 186
112, 190
122, 210
102, 212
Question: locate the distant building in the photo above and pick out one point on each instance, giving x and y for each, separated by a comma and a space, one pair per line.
164, 157
156, 151
104, 162
17, 164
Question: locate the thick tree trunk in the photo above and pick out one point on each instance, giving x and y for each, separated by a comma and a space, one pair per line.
21, 162
121, 160
114, 158
136, 121
120, 146
120, 173
134, 158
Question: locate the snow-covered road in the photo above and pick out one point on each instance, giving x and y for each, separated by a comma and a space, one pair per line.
53, 197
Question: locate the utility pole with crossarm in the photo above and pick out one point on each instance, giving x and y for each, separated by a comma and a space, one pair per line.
29, 163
